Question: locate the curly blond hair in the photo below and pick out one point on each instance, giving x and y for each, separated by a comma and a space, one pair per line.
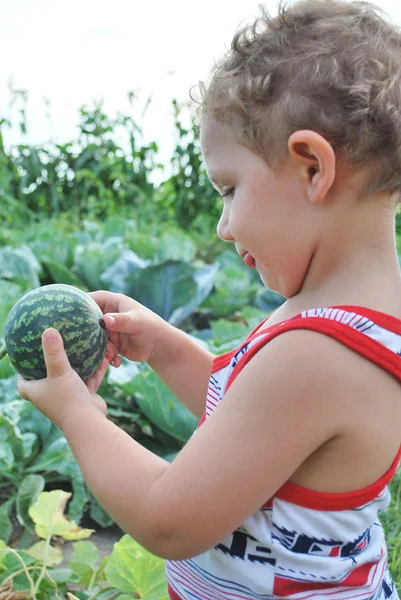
332, 66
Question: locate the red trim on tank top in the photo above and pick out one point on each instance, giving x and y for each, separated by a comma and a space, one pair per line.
307, 498
356, 579
349, 337
173, 595
380, 318
367, 347
221, 361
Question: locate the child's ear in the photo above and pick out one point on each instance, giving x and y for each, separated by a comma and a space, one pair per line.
316, 160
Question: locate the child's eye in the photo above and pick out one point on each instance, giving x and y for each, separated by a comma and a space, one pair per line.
227, 192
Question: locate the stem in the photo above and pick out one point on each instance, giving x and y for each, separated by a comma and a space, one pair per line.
16, 573
25, 570
113, 595
13, 575
100, 591
43, 571
55, 585
3, 351
93, 579
15, 479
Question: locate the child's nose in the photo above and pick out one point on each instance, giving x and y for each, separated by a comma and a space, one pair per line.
223, 226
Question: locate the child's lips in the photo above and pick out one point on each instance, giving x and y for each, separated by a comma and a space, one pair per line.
249, 260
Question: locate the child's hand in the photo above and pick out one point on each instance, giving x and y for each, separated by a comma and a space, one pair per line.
63, 392
133, 329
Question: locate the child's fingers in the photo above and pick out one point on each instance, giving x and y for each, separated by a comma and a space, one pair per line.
56, 360
26, 389
107, 301
111, 350
117, 361
94, 382
125, 322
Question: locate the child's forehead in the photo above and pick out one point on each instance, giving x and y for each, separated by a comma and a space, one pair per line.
214, 134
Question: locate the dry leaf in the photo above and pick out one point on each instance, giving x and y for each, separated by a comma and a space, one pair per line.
7, 593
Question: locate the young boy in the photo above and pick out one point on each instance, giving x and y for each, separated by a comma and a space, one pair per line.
277, 494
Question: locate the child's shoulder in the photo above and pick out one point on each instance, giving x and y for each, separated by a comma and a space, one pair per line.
354, 372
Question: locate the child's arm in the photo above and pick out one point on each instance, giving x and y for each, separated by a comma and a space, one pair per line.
141, 335
184, 366
286, 403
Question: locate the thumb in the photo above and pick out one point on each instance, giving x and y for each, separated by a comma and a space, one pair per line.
56, 360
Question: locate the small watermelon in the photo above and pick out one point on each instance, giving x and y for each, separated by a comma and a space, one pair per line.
69, 310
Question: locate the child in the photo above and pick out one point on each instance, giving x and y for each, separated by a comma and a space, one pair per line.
277, 494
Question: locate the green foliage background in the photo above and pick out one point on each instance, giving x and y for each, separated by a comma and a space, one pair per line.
88, 213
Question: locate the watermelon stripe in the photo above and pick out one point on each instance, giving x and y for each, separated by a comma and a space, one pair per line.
69, 310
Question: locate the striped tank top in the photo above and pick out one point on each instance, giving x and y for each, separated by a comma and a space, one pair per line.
302, 544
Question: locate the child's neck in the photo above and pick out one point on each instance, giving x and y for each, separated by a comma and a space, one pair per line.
357, 265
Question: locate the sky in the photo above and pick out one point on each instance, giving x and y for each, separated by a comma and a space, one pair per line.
67, 54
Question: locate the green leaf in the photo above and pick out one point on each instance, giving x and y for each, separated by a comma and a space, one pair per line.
233, 291
132, 569
224, 331
48, 515
3, 550
26, 539
80, 497
161, 407
84, 561
6, 457
114, 227
164, 288
7, 370
63, 576
13, 411
173, 289
267, 300
175, 245
85, 553
61, 274
30, 420
125, 373
10, 293
91, 260
12, 564
204, 279
56, 456
252, 316
6, 526
11, 447
119, 275
28, 492
8, 391
47, 246
29, 441
19, 264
